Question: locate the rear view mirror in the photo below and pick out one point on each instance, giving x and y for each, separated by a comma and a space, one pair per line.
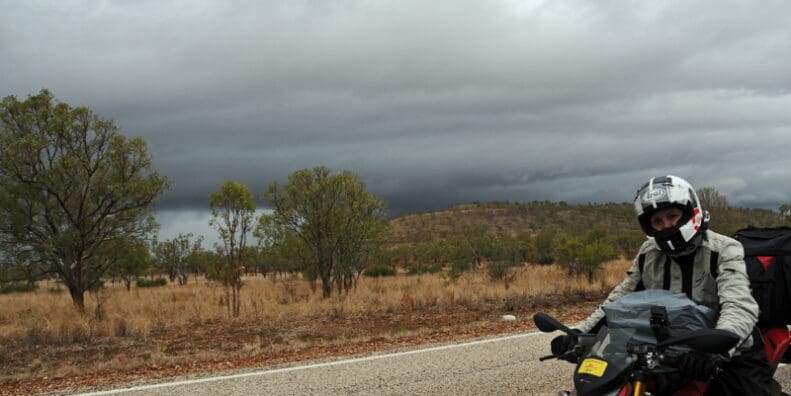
548, 324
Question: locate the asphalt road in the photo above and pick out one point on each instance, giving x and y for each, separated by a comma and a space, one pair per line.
501, 366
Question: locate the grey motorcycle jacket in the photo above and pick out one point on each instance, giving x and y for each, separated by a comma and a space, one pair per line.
717, 279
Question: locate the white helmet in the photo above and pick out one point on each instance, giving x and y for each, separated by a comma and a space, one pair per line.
672, 191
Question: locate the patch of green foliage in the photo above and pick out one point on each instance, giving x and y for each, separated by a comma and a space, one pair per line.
456, 269
152, 282
377, 270
17, 288
499, 269
413, 268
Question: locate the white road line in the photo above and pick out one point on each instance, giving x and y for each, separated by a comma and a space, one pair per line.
306, 367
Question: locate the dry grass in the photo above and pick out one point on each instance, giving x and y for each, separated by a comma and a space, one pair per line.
46, 327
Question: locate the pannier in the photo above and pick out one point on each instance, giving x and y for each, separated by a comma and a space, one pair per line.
767, 253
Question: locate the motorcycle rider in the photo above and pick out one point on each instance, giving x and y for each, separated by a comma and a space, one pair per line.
682, 255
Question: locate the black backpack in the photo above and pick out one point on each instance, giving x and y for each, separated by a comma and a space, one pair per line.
767, 253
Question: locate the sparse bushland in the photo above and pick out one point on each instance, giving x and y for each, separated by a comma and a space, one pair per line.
578, 237
545, 217
459, 270
43, 336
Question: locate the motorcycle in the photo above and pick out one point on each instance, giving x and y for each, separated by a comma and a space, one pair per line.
611, 363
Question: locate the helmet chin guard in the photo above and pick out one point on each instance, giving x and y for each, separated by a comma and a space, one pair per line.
672, 192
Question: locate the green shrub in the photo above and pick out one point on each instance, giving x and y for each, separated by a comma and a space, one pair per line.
498, 269
152, 282
417, 268
461, 266
457, 268
453, 274
379, 270
17, 288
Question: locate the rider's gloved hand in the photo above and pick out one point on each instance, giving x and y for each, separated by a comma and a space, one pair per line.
699, 367
562, 343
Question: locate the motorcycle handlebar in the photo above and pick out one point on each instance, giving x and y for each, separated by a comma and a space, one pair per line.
572, 355
673, 359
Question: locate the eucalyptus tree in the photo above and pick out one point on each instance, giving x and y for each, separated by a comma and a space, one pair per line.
337, 223
69, 183
126, 259
282, 250
232, 211
173, 255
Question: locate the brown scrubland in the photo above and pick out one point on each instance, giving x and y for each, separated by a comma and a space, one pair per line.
43, 337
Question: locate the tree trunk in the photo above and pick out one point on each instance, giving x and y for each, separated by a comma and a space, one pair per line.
236, 300
77, 297
325, 271
326, 287
228, 299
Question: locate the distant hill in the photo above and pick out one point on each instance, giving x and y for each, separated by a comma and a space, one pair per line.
530, 218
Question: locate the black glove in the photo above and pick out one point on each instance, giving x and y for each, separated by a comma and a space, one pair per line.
562, 343
697, 366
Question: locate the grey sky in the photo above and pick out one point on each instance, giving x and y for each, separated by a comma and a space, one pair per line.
431, 103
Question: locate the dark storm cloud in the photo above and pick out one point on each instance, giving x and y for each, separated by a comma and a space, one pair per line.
430, 106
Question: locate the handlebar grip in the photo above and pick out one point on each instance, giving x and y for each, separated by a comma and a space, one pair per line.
672, 359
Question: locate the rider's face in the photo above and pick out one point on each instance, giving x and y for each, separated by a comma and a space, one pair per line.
666, 218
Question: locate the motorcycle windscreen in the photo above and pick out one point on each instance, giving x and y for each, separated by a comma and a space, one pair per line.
607, 364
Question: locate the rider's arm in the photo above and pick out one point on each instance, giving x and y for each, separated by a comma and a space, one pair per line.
738, 309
